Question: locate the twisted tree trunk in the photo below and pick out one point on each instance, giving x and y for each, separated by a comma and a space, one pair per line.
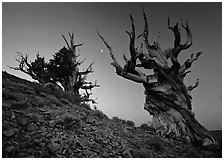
168, 99
77, 79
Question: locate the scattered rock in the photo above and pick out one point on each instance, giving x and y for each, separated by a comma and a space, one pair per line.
105, 154
43, 94
6, 105
42, 144
23, 104
10, 148
19, 111
127, 154
32, 127
87, 153
82, 143
35, 117
10, 132
65, 101
41, 126
53, 147
22, 120
42, 110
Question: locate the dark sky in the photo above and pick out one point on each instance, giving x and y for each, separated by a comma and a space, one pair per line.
37, 27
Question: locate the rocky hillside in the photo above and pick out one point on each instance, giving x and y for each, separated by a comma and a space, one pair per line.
38, 123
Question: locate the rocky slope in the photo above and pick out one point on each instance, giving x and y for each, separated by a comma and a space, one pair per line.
37, 124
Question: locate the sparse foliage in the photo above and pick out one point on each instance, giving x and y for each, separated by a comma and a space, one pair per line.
62, 69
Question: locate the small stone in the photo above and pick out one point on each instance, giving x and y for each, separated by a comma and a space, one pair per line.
10, 149
105, 154
42, 110
20, 104
43, 94
36, 117
13, 124
54, 139
43, 129
127, 154
52, 124
23, 145
42, 144
87, 153
64, 101
29, 150
70, 152
23, 121
21, 155
13, 116
6, 105
74, 146
32, 127
82, 143
9, 133
109, 147
53, 147
19, 111
116, 144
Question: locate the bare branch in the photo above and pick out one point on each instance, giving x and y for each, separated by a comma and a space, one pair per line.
90, 85
77, 45
176, 50
189, 35
154, 51
71, 39
130, 64
146, 29
139, 78
23, 63
125, 58
114, 63
88, 70
26, 66
185, 73
187, 64
65, 41
190, 88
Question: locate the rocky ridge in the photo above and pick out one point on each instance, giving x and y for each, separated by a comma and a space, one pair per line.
37, 124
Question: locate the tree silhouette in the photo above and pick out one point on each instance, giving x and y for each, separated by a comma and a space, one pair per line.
168, 99
62, 69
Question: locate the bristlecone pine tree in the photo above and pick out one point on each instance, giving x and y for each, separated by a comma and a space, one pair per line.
62, 69
168, 99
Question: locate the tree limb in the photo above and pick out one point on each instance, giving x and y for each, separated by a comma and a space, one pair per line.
114, 63
178, 47
187, 64
132, 62
88, 70
189, 35
90, 85
176, 32
65, 41
139, 77
190, 88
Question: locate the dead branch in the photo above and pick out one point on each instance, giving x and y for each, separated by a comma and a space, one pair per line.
88, 70
178, 47
130, 66
65, 41
139, 78
187, 64
190, 88
189, 35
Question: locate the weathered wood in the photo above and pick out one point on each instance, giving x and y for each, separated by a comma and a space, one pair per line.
168, 99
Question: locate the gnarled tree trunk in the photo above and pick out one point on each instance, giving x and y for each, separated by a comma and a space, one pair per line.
168, 99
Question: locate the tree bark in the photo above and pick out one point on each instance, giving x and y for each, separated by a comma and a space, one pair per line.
168, 99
